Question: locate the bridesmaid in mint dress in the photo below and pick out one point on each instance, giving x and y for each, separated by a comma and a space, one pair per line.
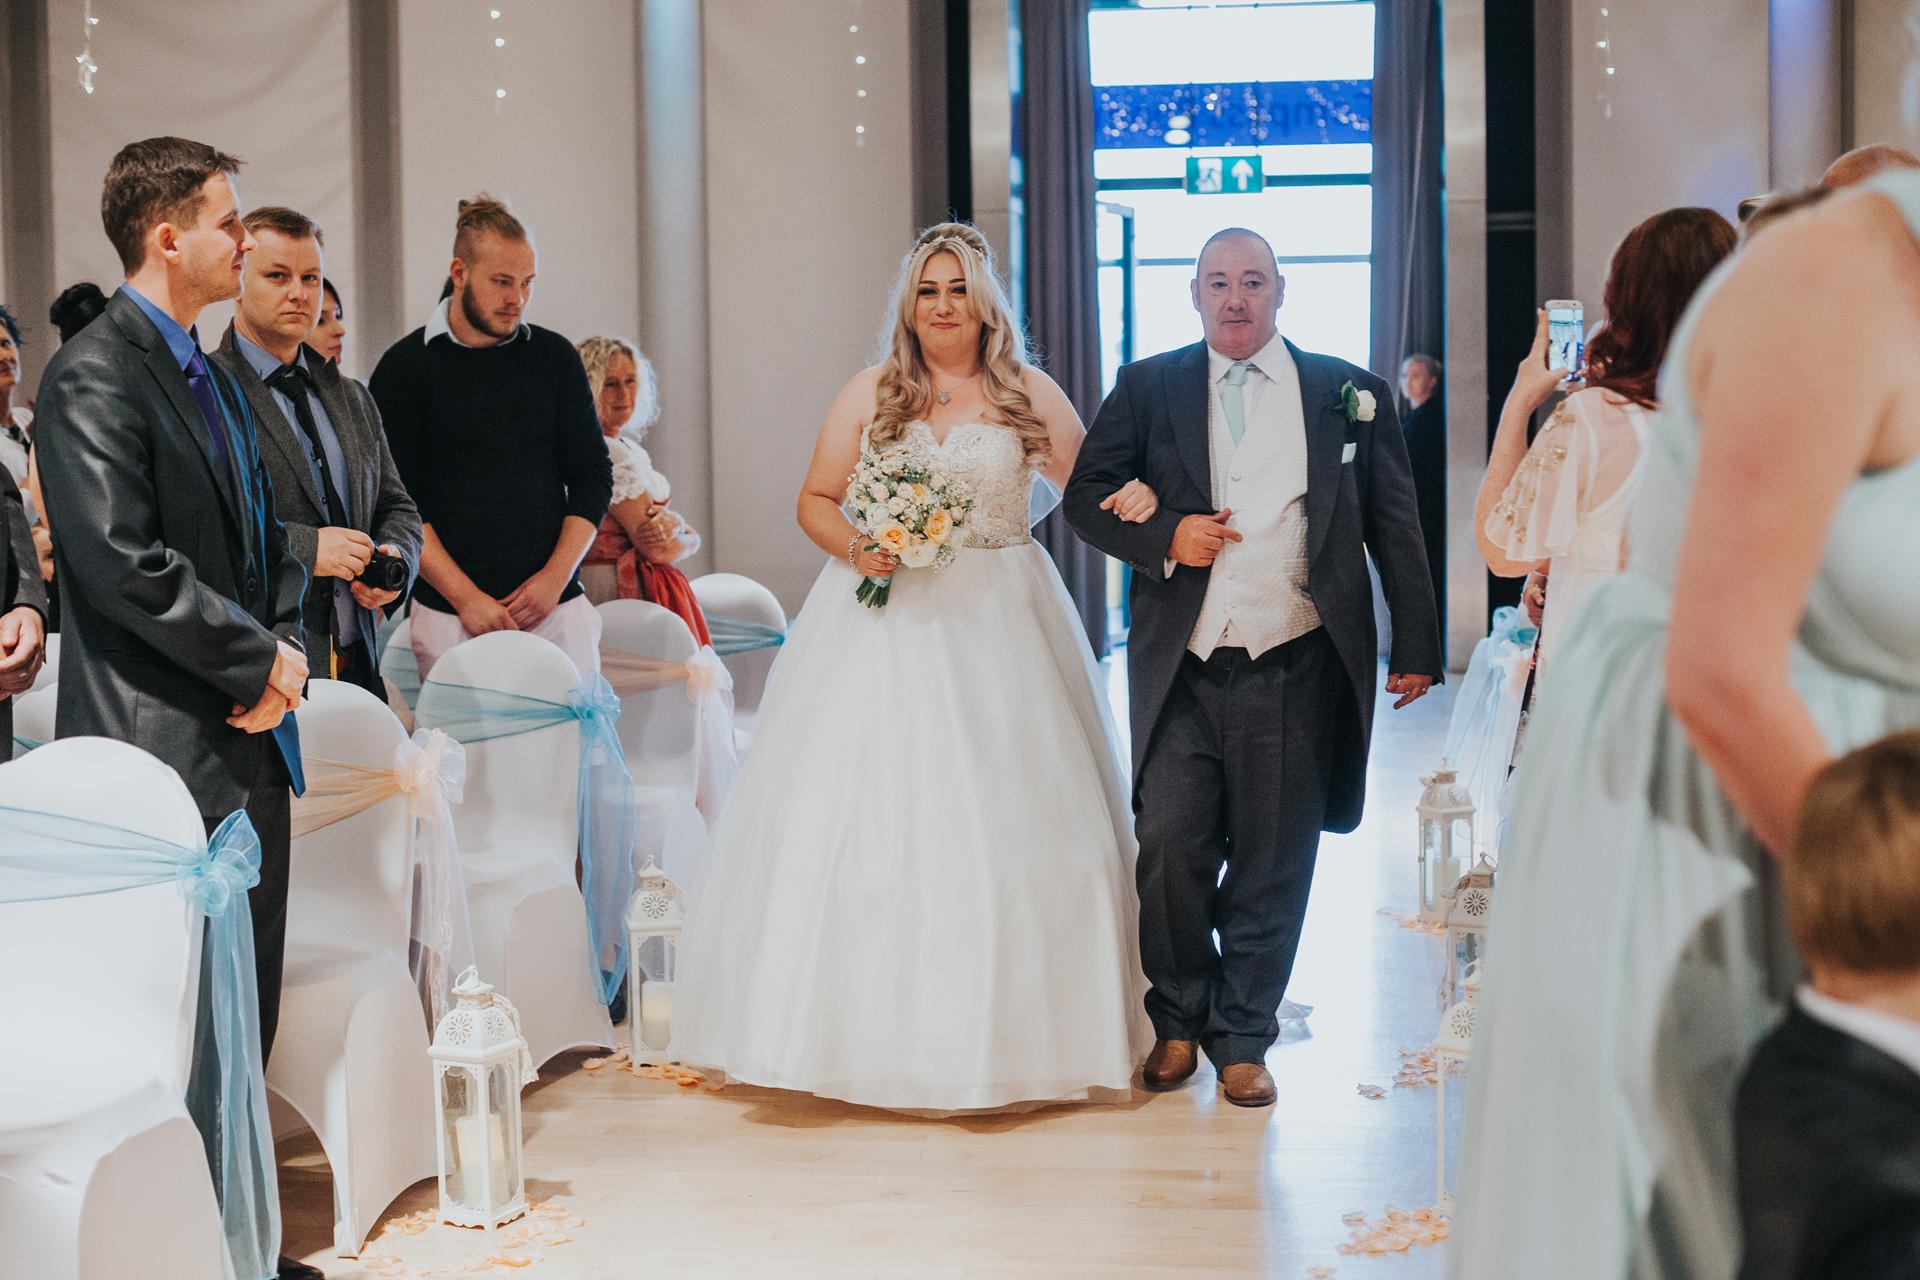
1770, 618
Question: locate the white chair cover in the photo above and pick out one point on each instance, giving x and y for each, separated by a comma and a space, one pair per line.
519, 844
102, 1172
33, 718
351, 1053
676, 708
732, 595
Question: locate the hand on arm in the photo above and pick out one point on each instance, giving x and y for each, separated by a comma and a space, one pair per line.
1533, 385
531, 601
1133, 502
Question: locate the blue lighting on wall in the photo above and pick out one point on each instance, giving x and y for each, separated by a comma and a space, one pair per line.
1251, 114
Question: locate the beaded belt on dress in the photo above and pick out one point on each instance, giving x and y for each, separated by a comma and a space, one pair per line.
995, 542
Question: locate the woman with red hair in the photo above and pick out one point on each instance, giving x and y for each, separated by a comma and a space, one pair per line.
1559, 509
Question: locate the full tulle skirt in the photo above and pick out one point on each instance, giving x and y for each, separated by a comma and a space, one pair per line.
921, 894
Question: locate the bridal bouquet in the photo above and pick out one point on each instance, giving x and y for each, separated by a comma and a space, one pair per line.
909, 508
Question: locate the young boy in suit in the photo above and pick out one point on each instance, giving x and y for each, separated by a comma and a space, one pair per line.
1827, 1125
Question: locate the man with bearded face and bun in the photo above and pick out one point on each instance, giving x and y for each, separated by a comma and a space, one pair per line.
492, 425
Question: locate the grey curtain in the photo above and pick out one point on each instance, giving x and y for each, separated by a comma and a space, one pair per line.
1408, 287
1063, 314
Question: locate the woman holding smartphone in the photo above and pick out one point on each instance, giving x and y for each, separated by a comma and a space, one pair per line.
1559, 509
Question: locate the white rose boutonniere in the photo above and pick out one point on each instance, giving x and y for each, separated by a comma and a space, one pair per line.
1359, 405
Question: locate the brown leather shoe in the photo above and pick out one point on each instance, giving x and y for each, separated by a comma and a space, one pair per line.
1169, 1065
1247, 1084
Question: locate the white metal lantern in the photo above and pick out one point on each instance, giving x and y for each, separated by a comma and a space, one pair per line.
1446, 835
476, 1075
1451, 1043
653, 914
1467, 911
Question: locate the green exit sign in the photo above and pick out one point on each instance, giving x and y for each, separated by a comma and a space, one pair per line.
1224, 176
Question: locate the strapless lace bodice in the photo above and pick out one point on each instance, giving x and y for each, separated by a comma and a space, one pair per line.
989, 458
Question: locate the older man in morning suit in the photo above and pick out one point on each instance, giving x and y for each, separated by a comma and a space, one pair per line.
1252, 656
334, 483
181, 602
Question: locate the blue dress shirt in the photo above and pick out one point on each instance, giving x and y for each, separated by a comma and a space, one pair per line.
182, 342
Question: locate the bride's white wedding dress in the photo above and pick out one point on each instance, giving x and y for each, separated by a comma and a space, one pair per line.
921, 895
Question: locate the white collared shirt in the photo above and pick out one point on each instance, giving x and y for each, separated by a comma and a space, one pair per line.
439, 325
1257, 591
1895, 1037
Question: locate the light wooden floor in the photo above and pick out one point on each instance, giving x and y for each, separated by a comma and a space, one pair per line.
763, 1183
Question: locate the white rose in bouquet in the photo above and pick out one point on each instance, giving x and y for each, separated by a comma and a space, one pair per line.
919, 556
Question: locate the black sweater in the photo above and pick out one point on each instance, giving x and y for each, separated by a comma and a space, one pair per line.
498, 446
1827, 1134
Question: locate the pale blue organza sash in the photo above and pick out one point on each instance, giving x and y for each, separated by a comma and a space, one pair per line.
737, 635
605, 797
1485, 714
25, 743
52, 855
401, 667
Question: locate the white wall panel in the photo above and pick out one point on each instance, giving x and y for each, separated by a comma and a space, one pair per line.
807, 221
1682, 120
559, 147
267, 82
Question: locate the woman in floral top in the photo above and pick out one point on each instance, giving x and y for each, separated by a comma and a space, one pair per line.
633, 555
1559, 509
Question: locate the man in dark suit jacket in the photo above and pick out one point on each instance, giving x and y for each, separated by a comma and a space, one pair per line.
181, 611
1827, 1120
1425, 431
23, 610
335, 486
1252, 657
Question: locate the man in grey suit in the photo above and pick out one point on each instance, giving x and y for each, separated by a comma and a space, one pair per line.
180, 604
1252, 656
334, 483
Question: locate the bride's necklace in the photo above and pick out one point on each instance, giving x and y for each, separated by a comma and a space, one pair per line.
944, 396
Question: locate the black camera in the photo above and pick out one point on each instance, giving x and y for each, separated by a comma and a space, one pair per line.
384, 573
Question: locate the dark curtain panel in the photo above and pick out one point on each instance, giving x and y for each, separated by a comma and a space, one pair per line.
1063, 314
1409, 287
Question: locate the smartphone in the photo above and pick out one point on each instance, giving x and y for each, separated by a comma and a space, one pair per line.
1566, 337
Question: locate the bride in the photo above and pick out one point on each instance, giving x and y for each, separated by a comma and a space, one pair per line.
920, 895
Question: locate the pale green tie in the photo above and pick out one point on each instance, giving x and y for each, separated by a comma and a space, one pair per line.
1230, 399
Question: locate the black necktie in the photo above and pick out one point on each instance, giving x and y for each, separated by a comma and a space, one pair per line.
291, 381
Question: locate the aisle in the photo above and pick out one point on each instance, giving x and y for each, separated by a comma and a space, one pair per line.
761, 1183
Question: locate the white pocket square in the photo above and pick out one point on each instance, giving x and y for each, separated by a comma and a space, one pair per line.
1346, 454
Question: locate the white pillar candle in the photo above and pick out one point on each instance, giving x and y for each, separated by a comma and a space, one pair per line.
473, 1151
656, 1014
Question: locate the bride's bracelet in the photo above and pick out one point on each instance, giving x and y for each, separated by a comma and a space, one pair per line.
854, 542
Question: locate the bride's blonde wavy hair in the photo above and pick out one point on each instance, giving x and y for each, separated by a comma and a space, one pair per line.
906, 391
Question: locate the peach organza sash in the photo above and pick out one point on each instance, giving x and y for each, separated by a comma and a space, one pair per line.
431, 771
709, 687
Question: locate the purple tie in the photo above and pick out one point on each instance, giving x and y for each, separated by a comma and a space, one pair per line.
201, 380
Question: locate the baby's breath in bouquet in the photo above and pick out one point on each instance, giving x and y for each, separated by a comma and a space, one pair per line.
909, 508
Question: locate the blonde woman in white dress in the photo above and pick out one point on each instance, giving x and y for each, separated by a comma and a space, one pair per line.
921, 893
